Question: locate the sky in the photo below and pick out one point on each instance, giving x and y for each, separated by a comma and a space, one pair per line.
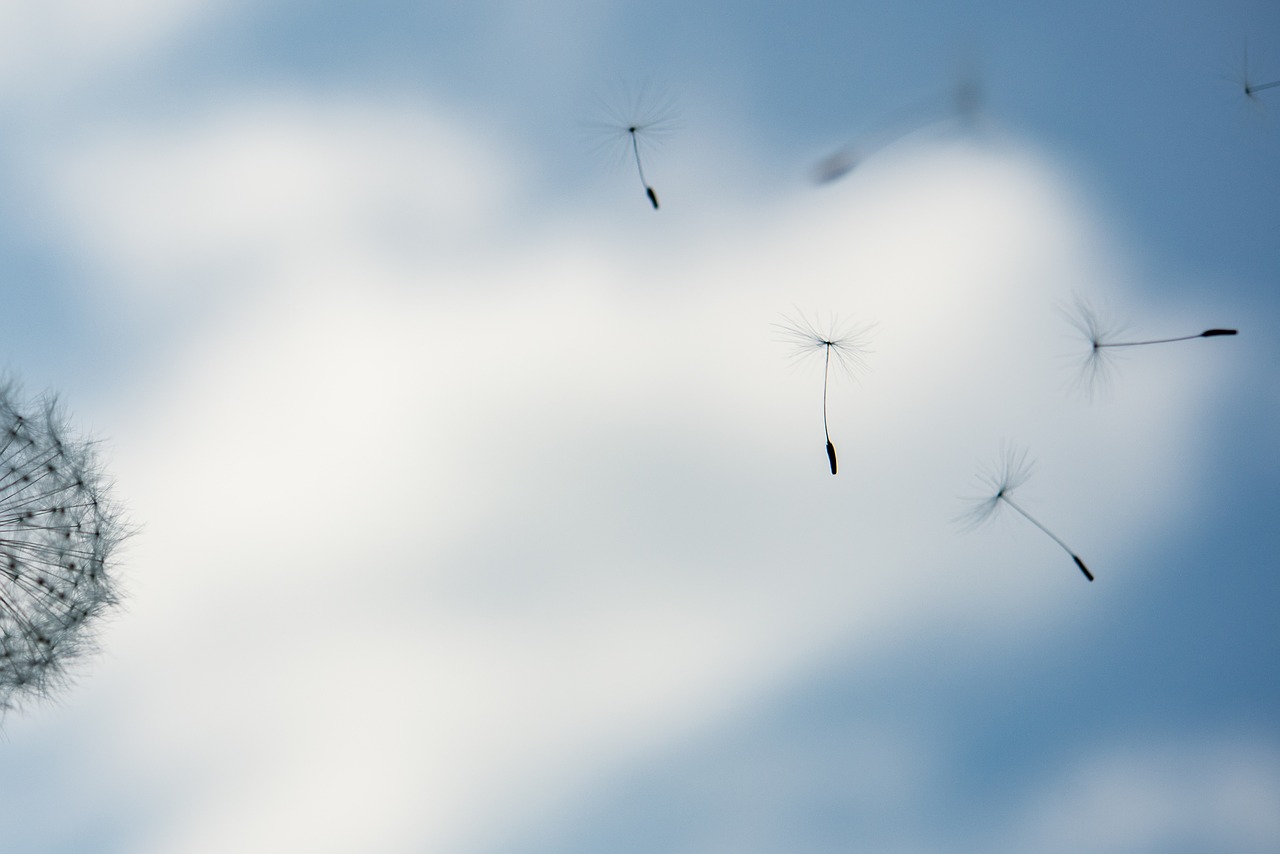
480, 508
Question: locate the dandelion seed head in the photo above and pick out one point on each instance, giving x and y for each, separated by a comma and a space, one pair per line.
1253, 112
633, 118
1097, 366
1012, 470
1243, 77
847, 343
58, 530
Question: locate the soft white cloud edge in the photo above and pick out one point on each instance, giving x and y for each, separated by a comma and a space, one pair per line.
1194, 793
48, 47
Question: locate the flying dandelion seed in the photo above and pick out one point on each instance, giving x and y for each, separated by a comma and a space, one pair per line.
1013, 471
58, 530
847, 345
634, 126
961, 104
1098, 364
1253, 112
1250, 88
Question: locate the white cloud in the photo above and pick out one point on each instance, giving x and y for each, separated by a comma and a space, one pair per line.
426, 545
49, 45
271, 182
1188, 796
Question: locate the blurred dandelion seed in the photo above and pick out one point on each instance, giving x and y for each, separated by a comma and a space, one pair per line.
1252, 89
58, 530
1012, 472
1097, 367
847, 344
1253, 112
961, 104
634, 126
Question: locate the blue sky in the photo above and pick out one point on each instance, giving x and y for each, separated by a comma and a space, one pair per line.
480, 509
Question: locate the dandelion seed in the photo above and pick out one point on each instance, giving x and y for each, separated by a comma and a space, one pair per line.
639, 121
58, 529
847, 344
1013, 471
1098, 365
1250, 88
960, 104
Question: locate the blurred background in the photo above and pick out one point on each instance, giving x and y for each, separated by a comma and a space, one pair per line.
480, 508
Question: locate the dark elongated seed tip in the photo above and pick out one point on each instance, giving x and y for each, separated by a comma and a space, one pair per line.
653, 197
1083, 568
831, 456
1214, 333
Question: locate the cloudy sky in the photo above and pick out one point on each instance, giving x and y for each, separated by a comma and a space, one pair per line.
481, 510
